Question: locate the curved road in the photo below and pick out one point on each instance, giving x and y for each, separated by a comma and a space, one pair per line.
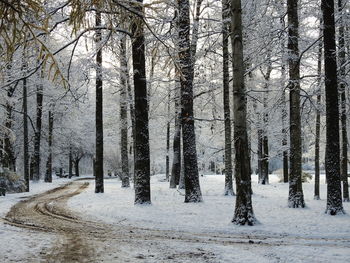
80, 240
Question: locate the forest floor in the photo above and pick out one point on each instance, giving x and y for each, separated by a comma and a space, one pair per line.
70, 223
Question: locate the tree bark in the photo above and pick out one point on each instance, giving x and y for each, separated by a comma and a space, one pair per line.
176, 167
167, 164
265, 139
260, 151
226, 95
48, 175
8, 158
76, 166
334, 198
342, 85
244, 208
31, 168
124, 114
70, 163
99, 187
318, 121
296, 196
182, 176
192, 187
25, 132
142, 154
177, 163
132, 117
283, 103
37, 137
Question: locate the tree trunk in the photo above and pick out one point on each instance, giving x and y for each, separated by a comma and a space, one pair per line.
334, 198
226, 95
177, 164
342, 76
132, 117
124, 114
37, 137
8, 158
76, 165
70, 163
142, 154
167, 165
265, 161
195, 30
283, 103
99, 187
318, 121
244, 208
182, 176
31, 168
284, 143
296, 196
260, 151
25, 132
265, 140
94, 167
48, 175
192, 187
176, 167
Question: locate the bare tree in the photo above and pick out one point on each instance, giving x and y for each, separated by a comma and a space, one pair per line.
296, 196
192, 187
99, 187
343, 117
318, 121
142, 154
124, 114
334, 198
48, 174
226, 95
244, 208
25, 129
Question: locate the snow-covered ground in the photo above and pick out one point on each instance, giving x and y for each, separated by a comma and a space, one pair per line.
306, 235
17, 244
169, 212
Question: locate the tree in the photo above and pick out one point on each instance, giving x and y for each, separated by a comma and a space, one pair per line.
318, 121
124, 114
192, 187
244, 208
334, 198
296, 196
142, 154
343, 117
8, 158
48, 174
37, 137
70, 162
226, 96
167, 165
99, 187
177, 163
77, 154
283, 97
25, 129
176, 167
264, 141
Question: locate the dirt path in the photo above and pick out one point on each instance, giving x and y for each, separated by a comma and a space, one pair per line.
80, 240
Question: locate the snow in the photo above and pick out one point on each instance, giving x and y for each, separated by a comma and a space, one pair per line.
19, 245
282, 235
168, 211
309, 231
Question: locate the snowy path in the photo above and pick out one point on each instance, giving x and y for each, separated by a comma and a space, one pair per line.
75, 239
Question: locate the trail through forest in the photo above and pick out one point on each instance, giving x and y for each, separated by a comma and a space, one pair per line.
81, 240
